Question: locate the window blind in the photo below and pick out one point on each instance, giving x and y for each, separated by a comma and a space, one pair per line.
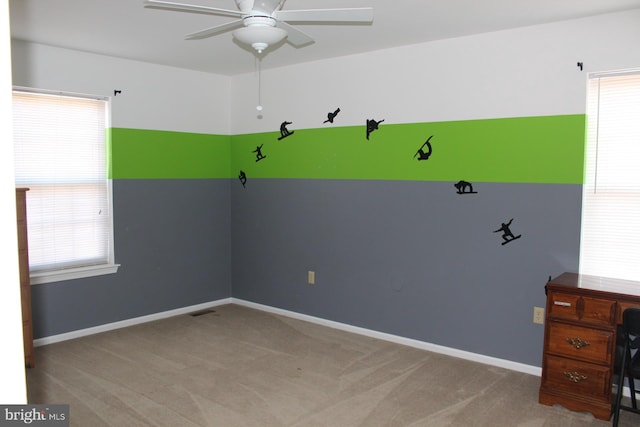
610, 233
60, 155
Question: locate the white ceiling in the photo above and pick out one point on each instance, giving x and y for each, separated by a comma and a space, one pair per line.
124, 28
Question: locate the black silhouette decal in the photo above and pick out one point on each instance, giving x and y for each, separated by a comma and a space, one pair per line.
243, 178
116, 92
331, 116
284, 132
372, 125
258, 151
507, 235
424, 155
464, 187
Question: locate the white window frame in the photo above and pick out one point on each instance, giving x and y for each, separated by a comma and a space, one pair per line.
69, 273
610, 228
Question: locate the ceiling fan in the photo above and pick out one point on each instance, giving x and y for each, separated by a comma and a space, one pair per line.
263, 23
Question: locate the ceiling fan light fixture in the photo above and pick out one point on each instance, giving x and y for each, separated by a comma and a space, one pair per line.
255, 23
259, 33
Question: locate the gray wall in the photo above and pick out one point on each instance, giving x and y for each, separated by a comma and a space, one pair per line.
172, 238
413, 259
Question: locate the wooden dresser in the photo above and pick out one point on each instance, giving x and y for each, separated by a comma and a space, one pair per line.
582, 315
25, 283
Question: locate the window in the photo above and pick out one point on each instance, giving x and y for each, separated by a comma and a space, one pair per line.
610, 236
61, 156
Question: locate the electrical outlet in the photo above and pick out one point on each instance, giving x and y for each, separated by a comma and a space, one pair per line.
311, 277
538, 315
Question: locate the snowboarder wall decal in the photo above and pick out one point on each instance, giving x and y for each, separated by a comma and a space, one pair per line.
259, 155
331, 116
421, 153
284, 132
243, 178
372, 125
464, 187
507, 234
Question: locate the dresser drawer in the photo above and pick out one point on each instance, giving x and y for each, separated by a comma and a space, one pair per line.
582, 308
576, 377
586, 344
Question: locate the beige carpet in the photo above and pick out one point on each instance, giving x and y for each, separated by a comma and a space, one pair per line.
239, 367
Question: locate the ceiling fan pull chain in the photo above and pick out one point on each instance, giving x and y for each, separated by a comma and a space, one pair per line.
258, 63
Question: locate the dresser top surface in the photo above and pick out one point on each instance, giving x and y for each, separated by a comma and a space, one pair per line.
597, 283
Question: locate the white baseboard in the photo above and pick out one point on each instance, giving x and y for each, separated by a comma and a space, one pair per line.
501, 363
487, 360
129, 322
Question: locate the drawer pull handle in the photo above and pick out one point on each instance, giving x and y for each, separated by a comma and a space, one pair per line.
577, 343
562, 303
575, 377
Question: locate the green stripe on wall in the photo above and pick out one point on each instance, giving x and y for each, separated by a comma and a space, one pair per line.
154, 154
547, 149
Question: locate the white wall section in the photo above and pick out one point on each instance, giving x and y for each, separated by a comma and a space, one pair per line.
153, 96
529, 71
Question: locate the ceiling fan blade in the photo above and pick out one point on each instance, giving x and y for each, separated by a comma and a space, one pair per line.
191, 8
294, 36
213, 31
364, 14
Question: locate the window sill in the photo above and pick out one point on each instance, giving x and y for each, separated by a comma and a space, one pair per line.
73, 273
